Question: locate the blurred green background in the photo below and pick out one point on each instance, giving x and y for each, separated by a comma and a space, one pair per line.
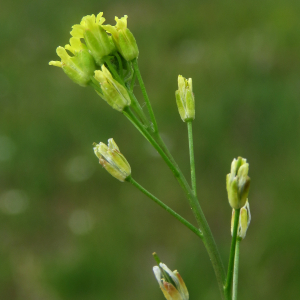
70, 231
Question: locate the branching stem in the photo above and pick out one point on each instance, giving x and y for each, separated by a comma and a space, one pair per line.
165, 207
208, 239
143, 88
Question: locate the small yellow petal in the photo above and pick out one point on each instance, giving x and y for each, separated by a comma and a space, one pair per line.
77, 31
55, 63
62, 53
121, 23
71, 49
100, 20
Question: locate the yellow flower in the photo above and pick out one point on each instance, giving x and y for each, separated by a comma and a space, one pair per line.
95, 37
80, 67
123, 38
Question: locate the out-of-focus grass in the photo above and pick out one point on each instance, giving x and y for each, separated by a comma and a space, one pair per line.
68, 230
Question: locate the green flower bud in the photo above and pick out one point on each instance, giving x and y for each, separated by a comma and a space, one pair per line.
113, 92
244, 220
185, 99
80, 67
95, 37
123, 38
238, 183
112, 160
171, 283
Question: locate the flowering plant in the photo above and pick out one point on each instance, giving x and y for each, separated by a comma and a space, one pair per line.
105, 58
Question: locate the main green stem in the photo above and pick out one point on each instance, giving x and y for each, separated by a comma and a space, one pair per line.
228, 285
192, 157
143, 88
165, 207
208, 239
236, 270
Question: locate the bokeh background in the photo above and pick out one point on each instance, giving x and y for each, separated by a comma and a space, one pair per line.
70, 231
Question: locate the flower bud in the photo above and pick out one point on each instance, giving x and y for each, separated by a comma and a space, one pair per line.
244, 220
95, 37
185, 99
171, 283
238, 183
123, 38
112, 160
80, 67
113, 92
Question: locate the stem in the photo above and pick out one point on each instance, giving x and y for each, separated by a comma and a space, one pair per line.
192, 157
120, 64
165, 207
125, 113
143, 88
236, 270
208, 239
164, 147
132, 82
113, 70
138, 109
228, 284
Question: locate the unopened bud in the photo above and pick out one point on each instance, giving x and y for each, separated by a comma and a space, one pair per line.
95, 37
123, 38
171, 283
238, 183
244, 220
112, 160
80, 67
185, 99
113, 92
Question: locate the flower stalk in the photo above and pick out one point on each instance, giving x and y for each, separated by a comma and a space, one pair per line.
236, 270
228, 284
165, 207
192, 156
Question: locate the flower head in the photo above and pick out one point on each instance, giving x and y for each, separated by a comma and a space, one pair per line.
123, 38
238, 183
185, 99
95, 37
112, 160
113, 92
244, 220
171, 283
80, 67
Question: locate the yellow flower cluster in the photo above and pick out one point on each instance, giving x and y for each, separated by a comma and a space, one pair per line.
91, 44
